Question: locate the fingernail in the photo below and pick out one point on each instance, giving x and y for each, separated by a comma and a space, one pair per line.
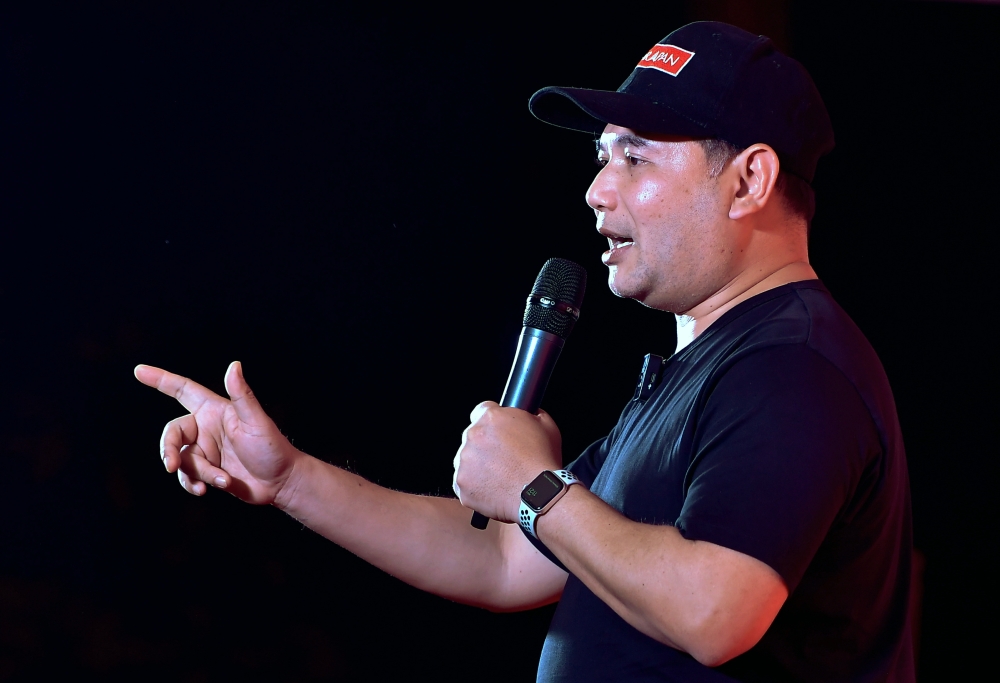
220, 482
166, 464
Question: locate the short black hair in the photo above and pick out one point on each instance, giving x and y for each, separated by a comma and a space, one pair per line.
797, 194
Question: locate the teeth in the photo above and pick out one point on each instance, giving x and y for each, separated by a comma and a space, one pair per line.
619, 242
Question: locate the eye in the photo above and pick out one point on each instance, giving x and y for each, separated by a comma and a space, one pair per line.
601, 161
632, 161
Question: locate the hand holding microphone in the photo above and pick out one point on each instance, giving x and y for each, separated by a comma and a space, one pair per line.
552, 311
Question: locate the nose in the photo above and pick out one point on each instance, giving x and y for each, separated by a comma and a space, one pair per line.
602, 194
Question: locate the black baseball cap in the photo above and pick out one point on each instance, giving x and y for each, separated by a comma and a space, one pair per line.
707, 80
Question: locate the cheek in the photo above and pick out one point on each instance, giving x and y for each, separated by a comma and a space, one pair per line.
649, 194
660, 202
681, 226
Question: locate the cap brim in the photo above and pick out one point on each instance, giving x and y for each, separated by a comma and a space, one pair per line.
589, 111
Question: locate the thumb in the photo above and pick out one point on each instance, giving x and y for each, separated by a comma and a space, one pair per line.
247, 407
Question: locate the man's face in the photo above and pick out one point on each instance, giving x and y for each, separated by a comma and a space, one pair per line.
670, 241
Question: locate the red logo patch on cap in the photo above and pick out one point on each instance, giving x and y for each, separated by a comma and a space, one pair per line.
669, 59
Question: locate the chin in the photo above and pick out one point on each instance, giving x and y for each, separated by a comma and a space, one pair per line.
613, 283
623, 289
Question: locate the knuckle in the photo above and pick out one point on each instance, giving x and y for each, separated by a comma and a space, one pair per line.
472, 435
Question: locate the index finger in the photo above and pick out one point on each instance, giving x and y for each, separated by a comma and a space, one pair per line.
189, 394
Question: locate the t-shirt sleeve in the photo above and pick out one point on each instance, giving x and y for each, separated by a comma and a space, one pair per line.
588, 464
779, 448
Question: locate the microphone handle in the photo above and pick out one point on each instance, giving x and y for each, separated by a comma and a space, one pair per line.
537, 353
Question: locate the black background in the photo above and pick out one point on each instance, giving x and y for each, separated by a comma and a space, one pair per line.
354, 204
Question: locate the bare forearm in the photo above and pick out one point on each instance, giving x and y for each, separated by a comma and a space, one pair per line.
609, 557
427, 542
422, 540
683, 593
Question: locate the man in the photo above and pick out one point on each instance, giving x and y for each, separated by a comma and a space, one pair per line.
748, 517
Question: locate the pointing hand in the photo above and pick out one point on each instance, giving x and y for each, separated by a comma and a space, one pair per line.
230, 444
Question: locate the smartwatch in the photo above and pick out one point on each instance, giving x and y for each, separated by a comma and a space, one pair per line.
541, 494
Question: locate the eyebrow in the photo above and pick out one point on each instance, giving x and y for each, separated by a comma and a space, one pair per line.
626, 140
629, 140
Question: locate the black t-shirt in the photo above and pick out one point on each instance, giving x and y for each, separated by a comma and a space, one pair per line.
774, 433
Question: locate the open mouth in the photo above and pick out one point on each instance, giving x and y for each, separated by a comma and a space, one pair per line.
619, 242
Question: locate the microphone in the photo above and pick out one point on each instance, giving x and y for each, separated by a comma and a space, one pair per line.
552, 311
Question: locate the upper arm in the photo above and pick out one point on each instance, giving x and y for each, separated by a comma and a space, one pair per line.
778, 451
528, 578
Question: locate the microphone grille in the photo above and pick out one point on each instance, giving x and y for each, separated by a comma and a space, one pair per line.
561, 281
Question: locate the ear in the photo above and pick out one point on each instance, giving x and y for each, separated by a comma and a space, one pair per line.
758, 168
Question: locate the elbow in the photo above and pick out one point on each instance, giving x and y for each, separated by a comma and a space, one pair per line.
712, 639
715, 646
718, 627
714, 655
725, 608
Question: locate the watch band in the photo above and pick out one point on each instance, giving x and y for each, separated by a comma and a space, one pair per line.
527, 517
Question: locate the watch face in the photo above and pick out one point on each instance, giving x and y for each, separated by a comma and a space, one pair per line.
542, 490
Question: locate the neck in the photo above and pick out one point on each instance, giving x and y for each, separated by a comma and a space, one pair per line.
692, 323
